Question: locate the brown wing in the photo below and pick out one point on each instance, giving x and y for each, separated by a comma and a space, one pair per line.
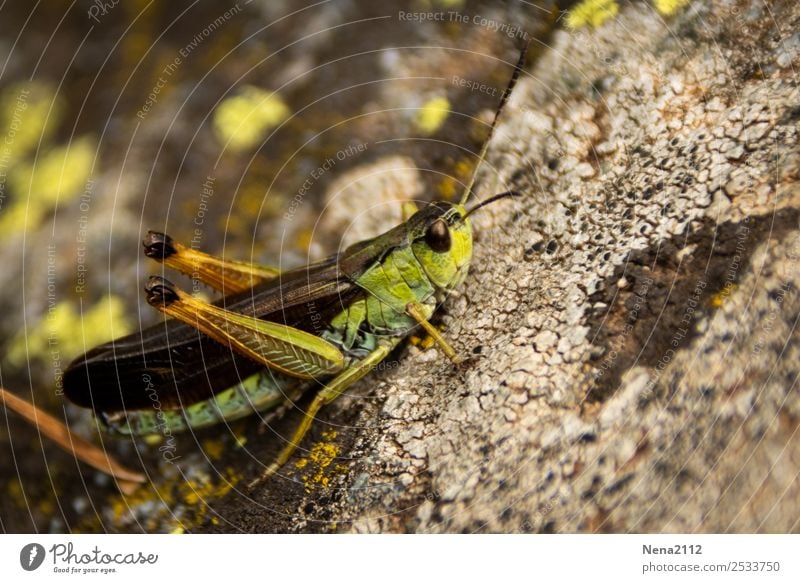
172, 365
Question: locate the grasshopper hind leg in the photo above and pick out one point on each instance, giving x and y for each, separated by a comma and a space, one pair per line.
327, 394
223, 275
277, 346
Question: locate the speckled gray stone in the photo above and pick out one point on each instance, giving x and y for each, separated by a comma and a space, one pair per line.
633, 142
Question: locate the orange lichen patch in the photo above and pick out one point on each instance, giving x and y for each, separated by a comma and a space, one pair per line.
425, 341
304, 238
669, 7
719, 298
214, 448
451, 187
16, 494
448, 188
422, 342
591, 13
320, 461
243, 120
432, 115
175, 506
66, 332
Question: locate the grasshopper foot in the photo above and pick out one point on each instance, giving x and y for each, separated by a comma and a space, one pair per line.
464, 361
158, 246
160, 292
458, 360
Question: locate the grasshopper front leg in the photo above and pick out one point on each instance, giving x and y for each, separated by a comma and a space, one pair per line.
415, 310
328, 393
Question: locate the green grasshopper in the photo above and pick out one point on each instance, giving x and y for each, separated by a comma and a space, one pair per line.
277, 334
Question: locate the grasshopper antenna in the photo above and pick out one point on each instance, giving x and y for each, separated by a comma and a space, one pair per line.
510, 193
509, 88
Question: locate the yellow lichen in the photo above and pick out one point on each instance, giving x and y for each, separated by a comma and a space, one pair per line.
425, 341
669, 7
463, 168
427, 4
242, 121
432, 115
250, 201
448, 188
422, 342
28, 114
47, 507
304, 238
718, 299
320, 458
63, 333
194, 494
592, 13
39, 185
197, 491
16, 494
154, 439
451, 187
214, 448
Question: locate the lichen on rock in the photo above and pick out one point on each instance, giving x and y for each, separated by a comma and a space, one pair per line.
631, 319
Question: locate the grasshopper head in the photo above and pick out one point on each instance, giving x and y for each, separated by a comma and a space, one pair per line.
442, 243
441, 236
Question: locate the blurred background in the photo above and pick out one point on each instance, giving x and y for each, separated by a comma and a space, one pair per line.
227, 125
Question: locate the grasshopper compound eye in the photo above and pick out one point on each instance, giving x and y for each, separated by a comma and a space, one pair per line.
438, 237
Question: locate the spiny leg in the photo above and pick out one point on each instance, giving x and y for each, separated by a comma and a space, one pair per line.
221, 274
328, 393
280, 347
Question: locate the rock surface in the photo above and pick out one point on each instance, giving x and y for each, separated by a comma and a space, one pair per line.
630, 322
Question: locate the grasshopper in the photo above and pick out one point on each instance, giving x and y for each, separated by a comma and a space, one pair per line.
277, 334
